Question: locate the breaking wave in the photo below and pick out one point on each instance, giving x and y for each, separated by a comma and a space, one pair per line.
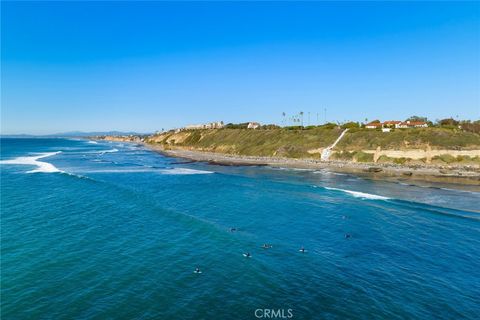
184, 171
107, 151
33, 161
174, 171
358, 194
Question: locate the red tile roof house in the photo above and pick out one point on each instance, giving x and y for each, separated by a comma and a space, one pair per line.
397, 124
391, 124
373, 125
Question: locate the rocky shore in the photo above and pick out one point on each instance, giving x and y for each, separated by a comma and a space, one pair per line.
460, 175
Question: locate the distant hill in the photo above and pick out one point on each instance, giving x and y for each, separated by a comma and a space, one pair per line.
75, 134
96, 133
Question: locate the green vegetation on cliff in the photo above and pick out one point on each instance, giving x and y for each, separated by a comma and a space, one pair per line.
273, 142
437, 138
302, 143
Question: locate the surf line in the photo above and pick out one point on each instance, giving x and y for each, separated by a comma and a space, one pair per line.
33, 161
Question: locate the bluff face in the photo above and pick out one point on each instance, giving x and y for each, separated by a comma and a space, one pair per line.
403, 146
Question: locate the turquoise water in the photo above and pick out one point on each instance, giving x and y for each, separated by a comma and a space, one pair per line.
114, 231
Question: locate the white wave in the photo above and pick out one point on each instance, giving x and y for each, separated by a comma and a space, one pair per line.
330, 172
459, 190
77, 175
176, 171
33, 161
126, 170
108, 151
291, 169
358, 194
101, 152
183, 171
92, 142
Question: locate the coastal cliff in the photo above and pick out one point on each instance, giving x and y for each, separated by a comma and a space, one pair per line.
424, 146
427, 154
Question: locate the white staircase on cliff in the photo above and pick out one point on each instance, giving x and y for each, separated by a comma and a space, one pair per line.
327, 151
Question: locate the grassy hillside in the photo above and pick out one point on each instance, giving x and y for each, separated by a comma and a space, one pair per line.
309, 143
437, 138
276, 142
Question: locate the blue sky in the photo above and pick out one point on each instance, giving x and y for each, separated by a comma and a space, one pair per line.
150, 65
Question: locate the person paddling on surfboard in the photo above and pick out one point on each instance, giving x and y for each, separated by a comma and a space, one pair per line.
302, 250
247, 255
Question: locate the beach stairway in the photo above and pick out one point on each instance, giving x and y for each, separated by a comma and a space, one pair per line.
328, 150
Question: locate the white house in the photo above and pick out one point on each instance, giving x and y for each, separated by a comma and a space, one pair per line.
412, 124
253, 125
211, 125
396, 124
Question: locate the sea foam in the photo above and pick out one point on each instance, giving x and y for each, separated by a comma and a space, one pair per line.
174, 171
108, 151
184, 171
358, 194
33, 161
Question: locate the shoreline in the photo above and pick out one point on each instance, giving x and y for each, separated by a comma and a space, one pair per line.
461, 178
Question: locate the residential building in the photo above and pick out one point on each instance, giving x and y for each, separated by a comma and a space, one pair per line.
373, 125
396, 124
253, 125
411, 124
211, 125
391, 123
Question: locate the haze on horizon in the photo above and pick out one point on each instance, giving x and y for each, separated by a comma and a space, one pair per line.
101, 66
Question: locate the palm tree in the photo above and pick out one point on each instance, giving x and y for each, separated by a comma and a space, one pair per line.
283, 115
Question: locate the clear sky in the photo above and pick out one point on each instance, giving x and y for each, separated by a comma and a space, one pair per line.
144, 66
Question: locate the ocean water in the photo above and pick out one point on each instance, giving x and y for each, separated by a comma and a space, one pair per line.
99, 230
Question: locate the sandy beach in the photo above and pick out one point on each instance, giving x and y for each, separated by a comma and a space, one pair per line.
461, 177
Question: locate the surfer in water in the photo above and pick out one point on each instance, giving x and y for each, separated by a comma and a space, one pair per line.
197, 270
347, 235
233, 229
247, 255
266, 246
302, 250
